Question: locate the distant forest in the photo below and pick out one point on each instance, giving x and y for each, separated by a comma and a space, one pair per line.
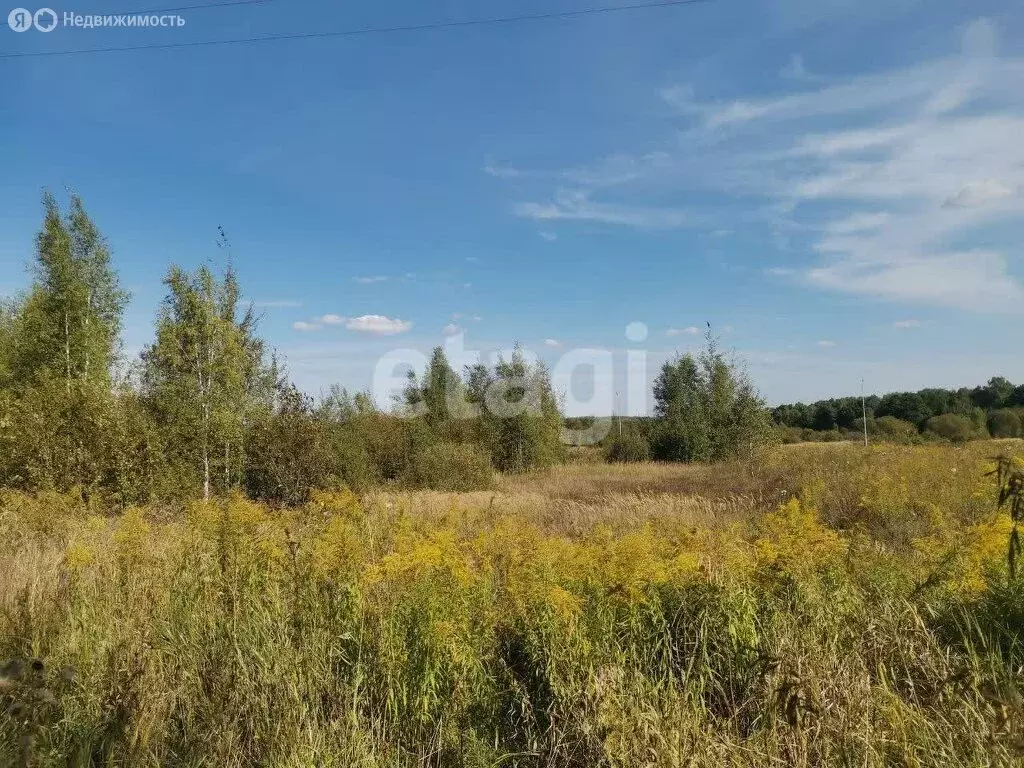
993, 410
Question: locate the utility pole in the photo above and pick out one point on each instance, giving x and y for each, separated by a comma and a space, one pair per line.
864, 412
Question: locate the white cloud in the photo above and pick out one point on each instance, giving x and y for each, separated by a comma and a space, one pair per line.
619, 169
888, 178
549, 236
907, 324
378, 324
472, 259
371, 279
826, 343
451, 329
973, 280
302, 325
332, 319
501, 171
857, 222
691, 330
552, 343
577, 205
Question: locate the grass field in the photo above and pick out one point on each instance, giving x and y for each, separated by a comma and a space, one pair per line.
825, 606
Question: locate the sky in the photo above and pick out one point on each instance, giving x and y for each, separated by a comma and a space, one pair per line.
836, 187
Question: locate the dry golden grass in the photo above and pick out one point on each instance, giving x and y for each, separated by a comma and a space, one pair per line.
824, 606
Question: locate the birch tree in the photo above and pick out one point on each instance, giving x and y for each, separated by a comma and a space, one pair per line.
205, 377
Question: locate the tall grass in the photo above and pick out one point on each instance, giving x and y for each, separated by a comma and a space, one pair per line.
822, 608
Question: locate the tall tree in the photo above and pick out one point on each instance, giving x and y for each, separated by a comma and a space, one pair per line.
707, 408
60, 344
205, 377
70, 323
679, 406
521, 423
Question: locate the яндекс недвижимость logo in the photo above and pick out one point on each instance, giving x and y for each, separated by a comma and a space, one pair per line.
22, 19
46, 20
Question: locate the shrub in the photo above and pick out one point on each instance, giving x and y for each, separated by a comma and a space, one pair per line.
952, 427
451, 467
891, 429
628, 447
1004, 423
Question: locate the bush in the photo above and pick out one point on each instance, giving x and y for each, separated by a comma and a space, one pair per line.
628, 447
451, 467
1004, 423
952, 427
891, 429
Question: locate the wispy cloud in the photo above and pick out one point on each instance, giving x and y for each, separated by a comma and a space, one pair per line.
690, 330
549, 236
904, 324
882, 182
933, 158
370, 280
552, 343
977, 193
501, 171
332, 319
451, 329
380, 325
825, 343
576, 205
302, 325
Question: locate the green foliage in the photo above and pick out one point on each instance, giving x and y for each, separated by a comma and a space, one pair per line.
953, 427
289, 453
1005, 422
631, 445
888, 429
68, 328
205, 379
451, 467
707, 409
915, 408
60, 421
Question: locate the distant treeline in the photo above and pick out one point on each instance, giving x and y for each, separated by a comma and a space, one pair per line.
993, 410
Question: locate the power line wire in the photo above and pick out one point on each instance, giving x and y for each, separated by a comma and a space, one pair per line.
202, 6
363, 31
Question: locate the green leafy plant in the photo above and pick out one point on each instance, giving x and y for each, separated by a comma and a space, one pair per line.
1009, 474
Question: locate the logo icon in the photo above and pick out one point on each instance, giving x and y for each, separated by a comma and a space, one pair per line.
20, 19
45, 20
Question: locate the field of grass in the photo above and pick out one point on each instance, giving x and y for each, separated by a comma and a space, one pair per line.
824, 606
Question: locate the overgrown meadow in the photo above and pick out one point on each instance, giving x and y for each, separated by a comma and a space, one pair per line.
822, 606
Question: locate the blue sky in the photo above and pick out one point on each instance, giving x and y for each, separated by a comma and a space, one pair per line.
837, 186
